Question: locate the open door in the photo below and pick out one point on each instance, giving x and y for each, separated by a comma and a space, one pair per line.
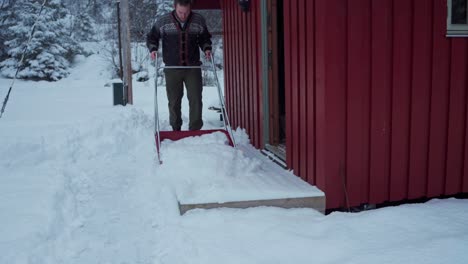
276, 140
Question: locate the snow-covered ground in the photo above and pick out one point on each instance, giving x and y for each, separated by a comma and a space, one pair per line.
79, 183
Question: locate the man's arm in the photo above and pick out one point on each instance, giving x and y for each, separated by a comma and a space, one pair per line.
152, 38
205, 38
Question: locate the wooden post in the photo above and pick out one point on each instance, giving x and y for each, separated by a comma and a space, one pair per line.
120, 41
126, 56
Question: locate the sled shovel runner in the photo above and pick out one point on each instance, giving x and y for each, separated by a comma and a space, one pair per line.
177, 135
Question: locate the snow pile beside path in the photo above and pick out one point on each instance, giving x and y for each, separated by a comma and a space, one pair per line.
75, 195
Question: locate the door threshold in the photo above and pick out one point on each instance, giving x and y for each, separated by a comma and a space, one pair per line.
276, 154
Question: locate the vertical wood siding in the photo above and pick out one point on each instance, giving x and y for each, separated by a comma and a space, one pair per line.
310, 83
242, 62
358, 97
380, 99
439, 105
299, 52
376, 96
288, 68
401, 92
393, 106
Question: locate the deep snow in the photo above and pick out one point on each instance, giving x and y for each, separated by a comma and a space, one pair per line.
79, 183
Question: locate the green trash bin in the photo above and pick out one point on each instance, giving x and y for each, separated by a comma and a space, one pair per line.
118, 92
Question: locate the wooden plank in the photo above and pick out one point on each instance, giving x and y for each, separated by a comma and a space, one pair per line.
294, 136
320, 94
402, 42
439, 102
126, 50
291, 152
258, 77
237, 75
227, 58
241, 56
465, 165
246, 74
381, 101
245, 70
303, 90
227, 49
249, 63
275, 98
273, 101
359, 40
317, 203
232, 66
456, 125
420, 98
335, 101
253, 73
287, 71
311, 86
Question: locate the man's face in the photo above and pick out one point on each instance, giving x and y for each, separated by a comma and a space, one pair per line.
182, 12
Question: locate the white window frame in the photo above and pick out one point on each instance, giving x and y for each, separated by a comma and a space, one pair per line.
455, 30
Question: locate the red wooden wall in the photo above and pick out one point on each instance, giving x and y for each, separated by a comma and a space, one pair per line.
376, 96
242, 72
391, 101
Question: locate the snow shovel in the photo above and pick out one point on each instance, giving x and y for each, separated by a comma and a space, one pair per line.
177, 135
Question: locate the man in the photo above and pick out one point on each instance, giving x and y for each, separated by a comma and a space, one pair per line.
183, 34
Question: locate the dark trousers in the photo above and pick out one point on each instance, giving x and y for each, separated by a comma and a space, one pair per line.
175, 80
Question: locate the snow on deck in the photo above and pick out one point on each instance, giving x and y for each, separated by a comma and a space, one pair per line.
206, 170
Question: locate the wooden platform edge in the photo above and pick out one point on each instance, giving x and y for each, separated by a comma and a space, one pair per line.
317, 203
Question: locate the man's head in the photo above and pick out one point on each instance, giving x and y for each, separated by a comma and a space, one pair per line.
183, 9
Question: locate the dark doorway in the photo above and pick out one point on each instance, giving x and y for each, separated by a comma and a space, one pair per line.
276, 93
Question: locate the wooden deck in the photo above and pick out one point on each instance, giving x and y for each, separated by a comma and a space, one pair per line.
299, 193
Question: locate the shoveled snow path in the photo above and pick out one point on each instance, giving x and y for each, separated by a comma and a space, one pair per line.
88, 176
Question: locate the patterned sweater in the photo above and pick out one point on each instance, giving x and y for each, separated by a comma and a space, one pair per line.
181, 44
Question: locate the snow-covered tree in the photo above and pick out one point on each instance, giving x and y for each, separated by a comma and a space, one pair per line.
84, 27
51, 48
164, 6
142, 16
7, 19
96, 8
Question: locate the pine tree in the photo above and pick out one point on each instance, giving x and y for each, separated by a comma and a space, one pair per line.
84, 27
164, 7
142, 17
51, 49
7, 19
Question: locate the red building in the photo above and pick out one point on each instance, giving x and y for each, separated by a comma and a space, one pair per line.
367, 100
